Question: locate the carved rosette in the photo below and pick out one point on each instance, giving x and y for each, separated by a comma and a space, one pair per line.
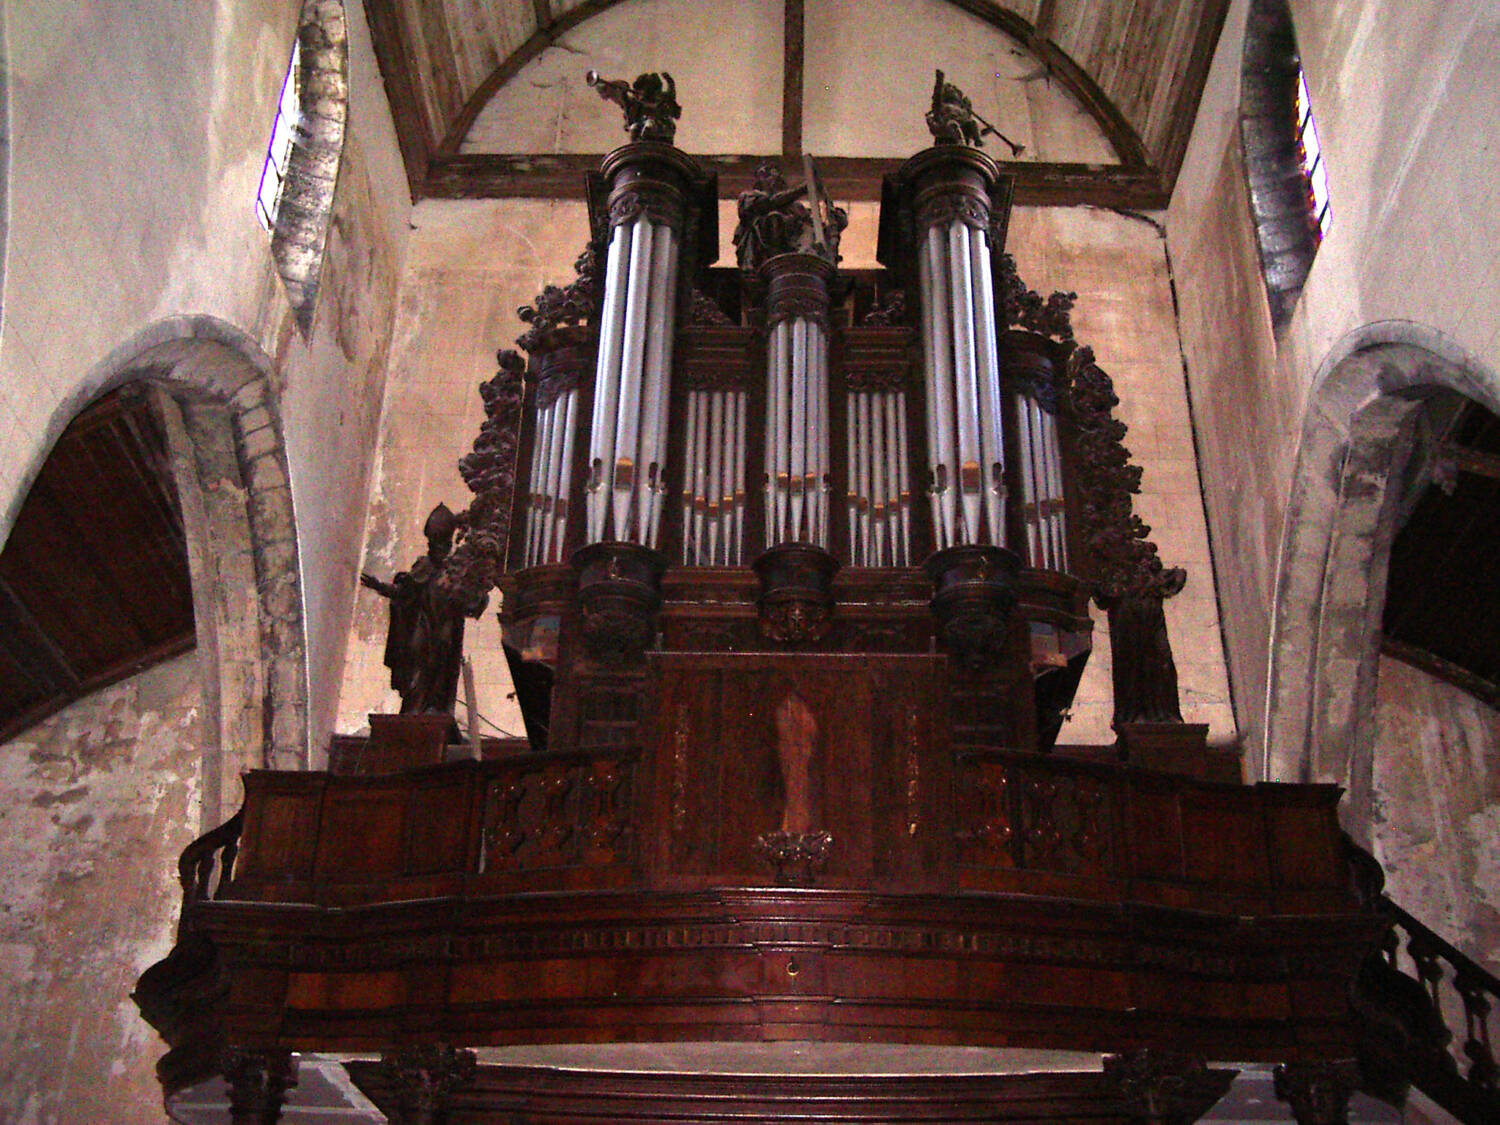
619, 593
1318, 1092
559, 312
974, 591
796, 592
424, 1077
1165, 1087
490, 472
795, 858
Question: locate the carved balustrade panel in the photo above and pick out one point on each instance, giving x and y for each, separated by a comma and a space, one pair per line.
560, 812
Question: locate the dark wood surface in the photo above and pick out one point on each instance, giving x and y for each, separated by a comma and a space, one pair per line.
94, 583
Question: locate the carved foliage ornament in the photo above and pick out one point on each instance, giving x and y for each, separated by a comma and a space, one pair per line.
1164, 1086
558, 307
1115, 537
1020, 307
490, 473
423, 1077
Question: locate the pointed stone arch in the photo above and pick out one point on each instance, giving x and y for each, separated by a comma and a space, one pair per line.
1342, 514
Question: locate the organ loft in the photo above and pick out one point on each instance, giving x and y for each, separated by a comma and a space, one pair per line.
795, 566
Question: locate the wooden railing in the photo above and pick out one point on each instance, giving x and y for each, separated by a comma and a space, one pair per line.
207, 864
1427, 1010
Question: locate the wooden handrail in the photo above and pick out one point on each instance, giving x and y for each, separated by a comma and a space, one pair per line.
216, 849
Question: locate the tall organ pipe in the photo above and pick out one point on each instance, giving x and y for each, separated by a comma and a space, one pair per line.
954, 195
797, 431
627, 458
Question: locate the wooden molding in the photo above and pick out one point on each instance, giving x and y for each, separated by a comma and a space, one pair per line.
561, 176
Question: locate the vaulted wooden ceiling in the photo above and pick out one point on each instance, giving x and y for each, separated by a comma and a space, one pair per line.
1137, 66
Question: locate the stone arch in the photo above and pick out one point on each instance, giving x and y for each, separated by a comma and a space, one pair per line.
306, 204
1343, 512
219, 402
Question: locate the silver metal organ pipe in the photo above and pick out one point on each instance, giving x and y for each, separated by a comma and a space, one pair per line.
552, 466
781, 439
741, 408
903, 464
656, 385
700, 474
879, 510
991, 445
862, 451
668, 336
966, 406
944, 456
851, 464
715, 472
632, 358
534, 492
893, 502
799, 426
929, 357
567, 405
1028, 482
1058, 518
607, 384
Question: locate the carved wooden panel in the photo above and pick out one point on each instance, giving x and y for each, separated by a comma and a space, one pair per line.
1034, 817
751, 745
559, 811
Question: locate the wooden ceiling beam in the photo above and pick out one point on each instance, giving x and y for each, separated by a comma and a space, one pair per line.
792, 71
1119, 132
544, 36
1184, 109
493, 176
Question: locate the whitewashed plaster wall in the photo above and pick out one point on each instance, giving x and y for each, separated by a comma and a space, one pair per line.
99, 801
472, 263
1437, 806
1405, 96
865, 89
138, 134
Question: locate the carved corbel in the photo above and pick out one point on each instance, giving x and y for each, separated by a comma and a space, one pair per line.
1318, 1093
258, 1082
424, 1078
1164, 1087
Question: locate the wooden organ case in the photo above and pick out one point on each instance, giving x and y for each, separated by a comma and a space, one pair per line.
796, 571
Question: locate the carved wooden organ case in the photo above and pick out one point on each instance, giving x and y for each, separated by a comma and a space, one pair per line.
784, 457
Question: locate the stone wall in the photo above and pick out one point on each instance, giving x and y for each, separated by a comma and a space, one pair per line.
138, 135
100, 800
1436, 812
1401, 96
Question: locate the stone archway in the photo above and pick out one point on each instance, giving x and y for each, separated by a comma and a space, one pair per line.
1342, 515
218, 400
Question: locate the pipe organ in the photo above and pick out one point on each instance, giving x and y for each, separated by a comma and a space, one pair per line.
752, 657
786, 455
